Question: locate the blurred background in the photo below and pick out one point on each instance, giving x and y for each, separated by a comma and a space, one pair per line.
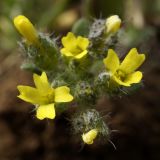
135, 116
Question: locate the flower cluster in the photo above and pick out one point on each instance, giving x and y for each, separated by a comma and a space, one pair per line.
80, 71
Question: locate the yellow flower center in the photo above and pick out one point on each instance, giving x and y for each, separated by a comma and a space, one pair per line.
120, 75
77, 50
50, 96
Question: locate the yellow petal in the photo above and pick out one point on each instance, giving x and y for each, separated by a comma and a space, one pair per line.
30, 94
62, 94
129, 79
66, 52
111, 61
69, 41
46, 111
82, 42
132, 61
26, 28
90, 136
81, 55
120, 82
134, 77
41, 82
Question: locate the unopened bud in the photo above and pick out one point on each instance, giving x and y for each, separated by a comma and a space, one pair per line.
113, 24
26, 28
89, 137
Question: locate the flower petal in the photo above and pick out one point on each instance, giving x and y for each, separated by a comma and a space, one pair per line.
67, 53
132, 61
69, 41
62, 94
130, 79
41, 82
111, 61
82, 42
134, 77
30, 94
46, 111
120, 82
81, 55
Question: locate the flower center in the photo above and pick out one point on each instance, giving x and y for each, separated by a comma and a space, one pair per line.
120, 75
50, 96
77, 50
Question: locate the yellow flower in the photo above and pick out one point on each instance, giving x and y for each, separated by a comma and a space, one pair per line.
89, 137
44, 96
26, 28
113, 23
74, 47
124, 73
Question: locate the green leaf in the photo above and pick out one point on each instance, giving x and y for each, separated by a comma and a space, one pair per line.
81, 27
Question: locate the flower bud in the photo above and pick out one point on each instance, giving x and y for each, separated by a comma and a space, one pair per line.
90, 136
113, 24
26, 28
